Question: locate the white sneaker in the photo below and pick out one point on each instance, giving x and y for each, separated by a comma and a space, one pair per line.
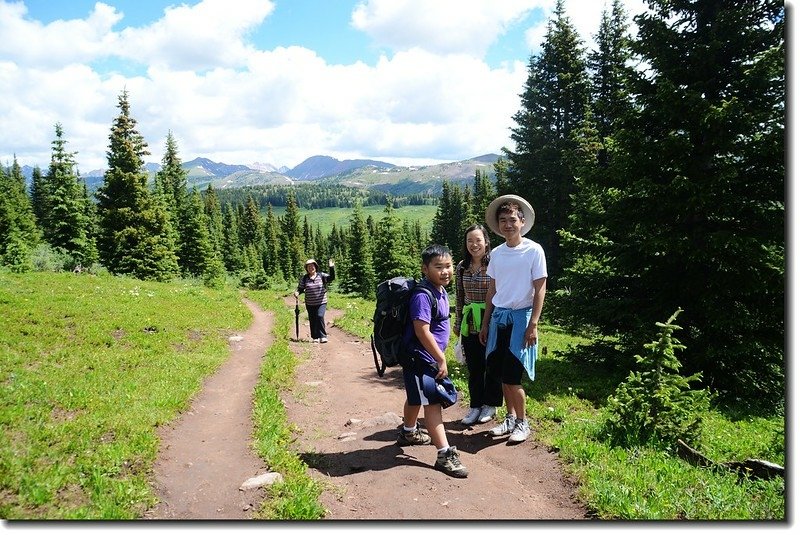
487, 413
522, 430
315, 340
504, 428
472, 416
323, 340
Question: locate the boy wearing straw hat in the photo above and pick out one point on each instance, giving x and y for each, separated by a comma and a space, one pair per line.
514, 301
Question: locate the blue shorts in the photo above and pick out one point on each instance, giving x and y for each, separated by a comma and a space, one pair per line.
412, 380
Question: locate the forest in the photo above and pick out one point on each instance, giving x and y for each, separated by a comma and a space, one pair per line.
654, 161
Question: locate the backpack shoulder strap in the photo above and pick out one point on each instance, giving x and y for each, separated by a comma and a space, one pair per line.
422, 287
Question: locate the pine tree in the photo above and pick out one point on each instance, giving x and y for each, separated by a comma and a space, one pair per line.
292, 239
18, 233
696, 211
360, 278
135, 230
213, 211
170, 180
39, 197
655, 404
195, 251
232, 251
554, 103
272, 237
391, 258
65, 224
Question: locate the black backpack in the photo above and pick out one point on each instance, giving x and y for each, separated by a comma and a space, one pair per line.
389, 321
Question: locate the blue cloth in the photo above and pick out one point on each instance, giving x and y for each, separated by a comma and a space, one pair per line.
518, 319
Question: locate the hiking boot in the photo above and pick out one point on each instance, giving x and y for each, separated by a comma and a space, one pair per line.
487, 413
504, 428
472, 416
449, 463
522, 430
417, 437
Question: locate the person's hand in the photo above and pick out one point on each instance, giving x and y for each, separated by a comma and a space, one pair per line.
330, 262
531, 334
296, 295
483, 336
442, 370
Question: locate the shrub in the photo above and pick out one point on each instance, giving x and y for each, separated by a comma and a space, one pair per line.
656, 405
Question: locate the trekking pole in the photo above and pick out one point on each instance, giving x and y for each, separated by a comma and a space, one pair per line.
297, 318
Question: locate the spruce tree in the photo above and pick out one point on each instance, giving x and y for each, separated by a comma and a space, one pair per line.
554, 103
360, 278
213, 211
65, 224
272, 237
292, 234
18, 232
232, 251
391, 258
697, 211
136, 235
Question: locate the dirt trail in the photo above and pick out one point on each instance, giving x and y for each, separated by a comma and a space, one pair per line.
206, 455
346, 419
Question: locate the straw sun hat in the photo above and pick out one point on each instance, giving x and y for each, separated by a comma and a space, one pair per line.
527, 210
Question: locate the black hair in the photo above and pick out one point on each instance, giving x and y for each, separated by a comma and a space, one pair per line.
509, 207
433, 251
467, 258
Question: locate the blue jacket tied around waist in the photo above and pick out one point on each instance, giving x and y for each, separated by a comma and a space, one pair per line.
518, 319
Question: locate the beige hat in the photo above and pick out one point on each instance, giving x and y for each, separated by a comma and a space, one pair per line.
527, 210
312, 261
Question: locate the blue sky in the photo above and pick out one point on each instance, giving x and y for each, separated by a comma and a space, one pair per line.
272, 81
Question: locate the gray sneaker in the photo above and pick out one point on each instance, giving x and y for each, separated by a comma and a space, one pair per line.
418, 437
449, 463
522, 430
504, 428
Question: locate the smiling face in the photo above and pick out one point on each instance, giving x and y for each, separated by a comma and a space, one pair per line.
439, 270
476, 244
510, 222
311, 269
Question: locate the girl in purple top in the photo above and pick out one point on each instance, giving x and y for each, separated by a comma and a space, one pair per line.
427, 337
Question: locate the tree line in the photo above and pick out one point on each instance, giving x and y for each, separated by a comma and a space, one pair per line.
655, 165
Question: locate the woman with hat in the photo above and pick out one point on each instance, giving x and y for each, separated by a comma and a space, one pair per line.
514, 301
315, 283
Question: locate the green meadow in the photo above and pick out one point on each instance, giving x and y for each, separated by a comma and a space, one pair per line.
325, 218
92, 365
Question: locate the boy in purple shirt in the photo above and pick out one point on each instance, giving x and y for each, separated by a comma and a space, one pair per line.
426, 338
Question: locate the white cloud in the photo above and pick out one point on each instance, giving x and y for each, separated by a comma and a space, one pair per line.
440, 26
433, 98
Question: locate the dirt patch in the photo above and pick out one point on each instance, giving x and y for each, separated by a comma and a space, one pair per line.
346, 419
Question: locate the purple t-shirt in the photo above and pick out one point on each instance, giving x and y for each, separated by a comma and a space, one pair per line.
419, 308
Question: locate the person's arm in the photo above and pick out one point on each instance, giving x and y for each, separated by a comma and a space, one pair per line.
331, 270
487, 315
459, 298
532, 332
422, 330
301, 286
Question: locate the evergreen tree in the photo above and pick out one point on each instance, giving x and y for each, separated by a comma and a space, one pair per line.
554, 103
213, 211
18, 231
170, 181
251, 235
293, 239
39, 197
232, 251
195, 252
272, 236
694, 207
360, 278
65, 224
391, 257
135, 230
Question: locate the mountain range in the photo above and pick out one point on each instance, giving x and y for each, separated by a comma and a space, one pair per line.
371, 174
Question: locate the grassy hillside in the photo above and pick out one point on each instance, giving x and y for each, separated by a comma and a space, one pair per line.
326, 217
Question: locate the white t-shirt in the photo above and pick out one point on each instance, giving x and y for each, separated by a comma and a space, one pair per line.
514, 269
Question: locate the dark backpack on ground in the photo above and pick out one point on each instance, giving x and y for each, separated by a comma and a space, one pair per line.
392, 299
